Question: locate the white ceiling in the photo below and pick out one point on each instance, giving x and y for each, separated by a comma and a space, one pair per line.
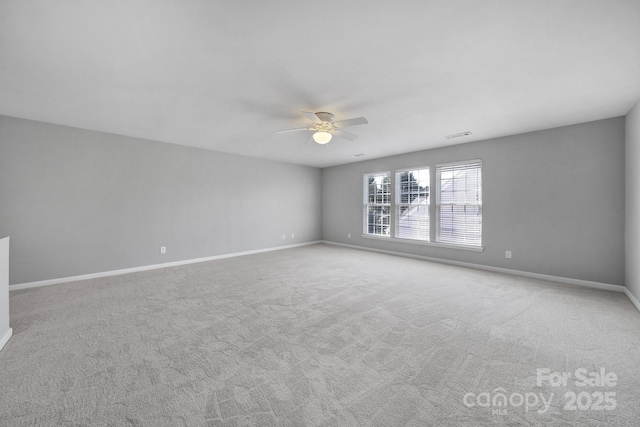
225, 75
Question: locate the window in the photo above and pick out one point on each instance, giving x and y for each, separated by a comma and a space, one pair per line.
412, 204
377, 203
459, 203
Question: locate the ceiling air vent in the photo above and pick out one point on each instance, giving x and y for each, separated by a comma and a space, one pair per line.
357, 155
458, 135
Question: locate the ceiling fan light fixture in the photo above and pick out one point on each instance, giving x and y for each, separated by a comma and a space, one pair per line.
322, 137
324, 127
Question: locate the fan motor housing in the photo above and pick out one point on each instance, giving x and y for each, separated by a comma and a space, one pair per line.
325, 117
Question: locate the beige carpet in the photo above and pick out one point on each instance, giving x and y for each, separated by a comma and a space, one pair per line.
316, 336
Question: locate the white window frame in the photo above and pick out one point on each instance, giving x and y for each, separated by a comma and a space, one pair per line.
467, 239
385, 229
413, 229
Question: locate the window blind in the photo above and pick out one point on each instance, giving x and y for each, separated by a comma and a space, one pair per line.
412, 204
459, 203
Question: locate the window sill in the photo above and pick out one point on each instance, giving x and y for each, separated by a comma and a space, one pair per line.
423, 243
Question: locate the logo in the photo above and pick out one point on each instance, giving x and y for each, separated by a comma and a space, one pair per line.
500, 402
592, 393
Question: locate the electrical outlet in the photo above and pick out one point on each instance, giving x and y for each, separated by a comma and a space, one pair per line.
348, 235
507, 254
163, 249
293, 235
284, 236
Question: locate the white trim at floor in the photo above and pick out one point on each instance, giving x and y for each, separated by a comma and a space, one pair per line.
567, 280
150, 267
5, 338
631, 297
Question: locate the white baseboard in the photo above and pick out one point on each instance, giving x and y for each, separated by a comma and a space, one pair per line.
150, 267
632, 298
5, 338
566, 280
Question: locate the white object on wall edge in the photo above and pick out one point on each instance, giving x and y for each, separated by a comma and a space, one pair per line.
5, 338
5, 328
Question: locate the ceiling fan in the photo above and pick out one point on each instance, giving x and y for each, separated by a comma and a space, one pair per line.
324, 127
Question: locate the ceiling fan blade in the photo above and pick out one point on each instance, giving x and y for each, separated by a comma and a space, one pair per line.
311, 116
345, 135
292, 130
351, 122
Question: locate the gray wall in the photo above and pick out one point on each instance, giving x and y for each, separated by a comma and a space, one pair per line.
632, 208
554, 197
77, 201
